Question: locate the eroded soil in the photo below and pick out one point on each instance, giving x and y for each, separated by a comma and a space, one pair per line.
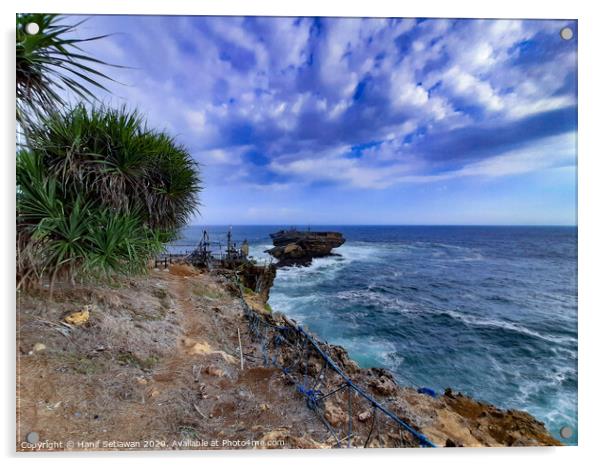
157, 366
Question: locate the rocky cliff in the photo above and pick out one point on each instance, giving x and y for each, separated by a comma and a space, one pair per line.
449, 419
292, 247
172, 357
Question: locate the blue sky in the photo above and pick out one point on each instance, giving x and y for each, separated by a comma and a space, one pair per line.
359, 121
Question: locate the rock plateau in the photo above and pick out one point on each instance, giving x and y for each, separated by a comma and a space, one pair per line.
292, 247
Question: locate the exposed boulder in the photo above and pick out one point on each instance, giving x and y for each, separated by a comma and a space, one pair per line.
506, 427
78, 317
334, 414
382, 382
39, 347
292, 247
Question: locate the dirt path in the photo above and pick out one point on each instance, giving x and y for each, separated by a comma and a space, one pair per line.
156, 366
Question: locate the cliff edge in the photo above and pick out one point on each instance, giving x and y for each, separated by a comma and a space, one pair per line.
171, 358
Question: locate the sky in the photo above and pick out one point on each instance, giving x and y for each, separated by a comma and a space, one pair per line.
358, 121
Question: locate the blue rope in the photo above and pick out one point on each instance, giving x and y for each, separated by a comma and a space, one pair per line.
313, 396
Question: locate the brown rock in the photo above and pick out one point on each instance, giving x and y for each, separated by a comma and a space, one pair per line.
39, 347
364, 416
292, 250
214, 371
78, 317
294, 247
334, 415
384, 386
342, 357
141, 381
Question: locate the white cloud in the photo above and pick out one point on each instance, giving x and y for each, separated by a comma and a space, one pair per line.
228, 85
466, 86
549, 153
546, 153
370, 173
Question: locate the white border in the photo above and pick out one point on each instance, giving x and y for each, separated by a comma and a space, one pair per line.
590, 232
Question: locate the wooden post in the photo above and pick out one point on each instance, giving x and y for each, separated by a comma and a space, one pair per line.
242, 364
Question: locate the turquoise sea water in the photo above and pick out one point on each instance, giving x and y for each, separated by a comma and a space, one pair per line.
488, 311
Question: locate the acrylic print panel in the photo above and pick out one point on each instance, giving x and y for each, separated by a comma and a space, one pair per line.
270, 232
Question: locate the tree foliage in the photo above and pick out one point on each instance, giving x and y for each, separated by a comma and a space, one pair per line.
52, 63
99, 192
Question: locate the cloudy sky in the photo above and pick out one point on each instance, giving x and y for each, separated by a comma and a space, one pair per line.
365, 121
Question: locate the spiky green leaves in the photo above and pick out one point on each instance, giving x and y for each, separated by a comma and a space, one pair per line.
111, 155
98, 190
51, 63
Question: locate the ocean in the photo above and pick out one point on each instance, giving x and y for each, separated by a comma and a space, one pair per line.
488, 311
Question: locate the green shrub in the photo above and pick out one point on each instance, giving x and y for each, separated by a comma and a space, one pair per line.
98, 192
112, 155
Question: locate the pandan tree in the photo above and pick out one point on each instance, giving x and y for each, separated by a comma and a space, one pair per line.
98, 191
51, 64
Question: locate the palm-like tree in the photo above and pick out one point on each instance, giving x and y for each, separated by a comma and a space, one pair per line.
113, 157
51, 63
99, 191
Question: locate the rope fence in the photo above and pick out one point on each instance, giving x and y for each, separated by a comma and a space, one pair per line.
326, 387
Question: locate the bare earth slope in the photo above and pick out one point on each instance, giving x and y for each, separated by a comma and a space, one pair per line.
157, 366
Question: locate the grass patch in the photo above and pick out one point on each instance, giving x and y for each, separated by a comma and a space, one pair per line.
83, 364
148, 316
189, 432
206, 292
161, 294
268, 308
130, 359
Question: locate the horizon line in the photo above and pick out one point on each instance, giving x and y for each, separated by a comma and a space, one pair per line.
385, 224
